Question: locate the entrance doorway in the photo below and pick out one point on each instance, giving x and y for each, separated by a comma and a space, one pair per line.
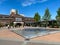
18, 24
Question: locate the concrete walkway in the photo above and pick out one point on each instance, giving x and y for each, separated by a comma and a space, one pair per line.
8, 34
9, 42
12, 42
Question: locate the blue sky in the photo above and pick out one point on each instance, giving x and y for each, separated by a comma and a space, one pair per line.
29, 7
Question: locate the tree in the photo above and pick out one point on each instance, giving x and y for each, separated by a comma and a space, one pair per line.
58, 16
37, 17
1, 25
11, 24
46, 16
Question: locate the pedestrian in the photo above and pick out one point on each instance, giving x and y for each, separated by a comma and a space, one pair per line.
8, 26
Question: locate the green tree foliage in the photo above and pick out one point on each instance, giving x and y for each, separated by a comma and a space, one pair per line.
16, 11
58, 17
1, 25
37, 17
47, 15
11, 24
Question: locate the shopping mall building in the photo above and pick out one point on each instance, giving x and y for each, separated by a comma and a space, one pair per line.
15, 18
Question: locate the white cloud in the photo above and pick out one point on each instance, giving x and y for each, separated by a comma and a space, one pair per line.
30, 2
22, 14
26, 3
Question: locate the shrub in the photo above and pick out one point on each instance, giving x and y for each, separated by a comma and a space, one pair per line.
1, 25
11, 24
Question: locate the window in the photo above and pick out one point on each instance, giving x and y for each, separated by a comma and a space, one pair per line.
18, 19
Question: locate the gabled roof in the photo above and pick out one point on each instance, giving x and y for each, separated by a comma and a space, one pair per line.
2, 15
16, 15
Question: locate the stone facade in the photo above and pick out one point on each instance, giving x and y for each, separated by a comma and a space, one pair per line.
14, 17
